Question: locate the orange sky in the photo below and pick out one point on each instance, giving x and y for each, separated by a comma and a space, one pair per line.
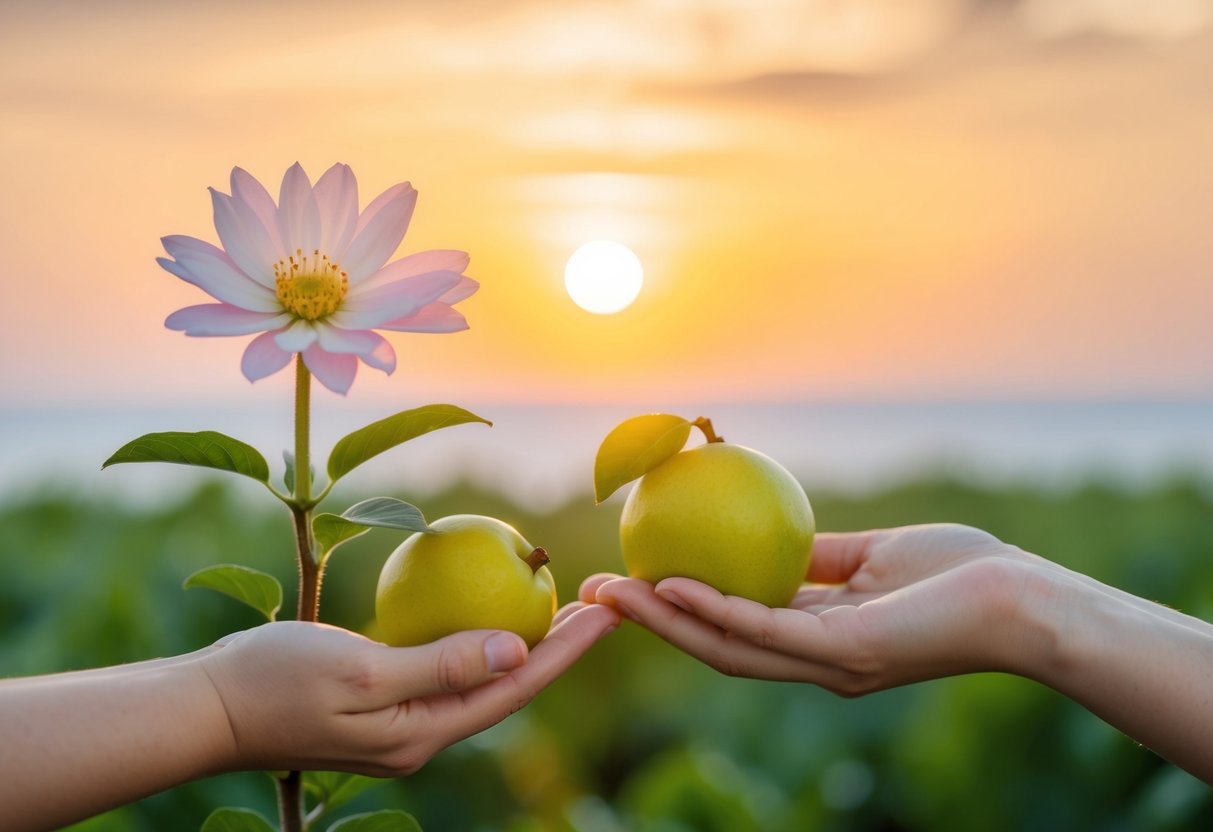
831, 199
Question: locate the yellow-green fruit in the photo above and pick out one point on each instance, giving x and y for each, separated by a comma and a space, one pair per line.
471, 573
724, 515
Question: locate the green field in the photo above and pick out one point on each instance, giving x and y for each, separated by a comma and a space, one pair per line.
638, 736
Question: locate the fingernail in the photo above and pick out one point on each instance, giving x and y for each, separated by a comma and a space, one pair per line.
672, 598
503, 651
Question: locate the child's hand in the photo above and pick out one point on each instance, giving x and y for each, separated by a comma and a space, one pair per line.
309, 696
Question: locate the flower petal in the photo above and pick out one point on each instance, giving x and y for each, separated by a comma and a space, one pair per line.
298, 215
297, 337
211, 270
263, 357
436, 260
367, 310
380, 229
464, 289
174, 268
211, 319
383, 357
247, 190
371, 347
436, 317
335, 371
336, 196
244, 238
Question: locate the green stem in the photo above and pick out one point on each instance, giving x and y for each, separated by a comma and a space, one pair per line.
305, 546
310, 573
303, 406
290, 793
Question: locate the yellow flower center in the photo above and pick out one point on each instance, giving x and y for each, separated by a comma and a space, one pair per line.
309, 285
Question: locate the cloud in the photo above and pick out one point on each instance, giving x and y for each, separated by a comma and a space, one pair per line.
1156, 20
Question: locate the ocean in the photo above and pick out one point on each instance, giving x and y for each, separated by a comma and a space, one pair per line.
544, 455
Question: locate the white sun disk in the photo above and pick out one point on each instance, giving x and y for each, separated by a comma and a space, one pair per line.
603, 276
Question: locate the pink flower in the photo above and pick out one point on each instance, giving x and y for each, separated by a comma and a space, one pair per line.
311, 274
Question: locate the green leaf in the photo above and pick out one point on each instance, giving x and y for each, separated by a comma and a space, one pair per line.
336, 788
260, 591
207, 449
387, 820
236, 820
380, 436
634, 447
387, 513
332, 530
288, 478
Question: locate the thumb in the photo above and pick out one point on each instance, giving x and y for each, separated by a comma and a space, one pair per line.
457, 662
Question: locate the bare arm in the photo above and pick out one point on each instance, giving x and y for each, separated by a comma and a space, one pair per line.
1145, 669
290, 695
79, 743
896, 606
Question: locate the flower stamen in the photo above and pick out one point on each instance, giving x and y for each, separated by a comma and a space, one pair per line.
310, 285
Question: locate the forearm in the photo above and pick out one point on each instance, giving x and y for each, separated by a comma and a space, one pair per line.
1155, 608
77, 744
1144, 668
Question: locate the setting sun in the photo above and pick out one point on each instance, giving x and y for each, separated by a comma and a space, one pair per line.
603, 276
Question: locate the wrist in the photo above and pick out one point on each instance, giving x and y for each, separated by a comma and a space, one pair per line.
217, 749
1065, 622
223, 752
1043, 607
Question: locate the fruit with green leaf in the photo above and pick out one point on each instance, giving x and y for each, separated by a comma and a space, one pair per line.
467, 572
720, 513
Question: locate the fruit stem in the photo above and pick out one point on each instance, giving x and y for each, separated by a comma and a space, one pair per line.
705, 425
537, 559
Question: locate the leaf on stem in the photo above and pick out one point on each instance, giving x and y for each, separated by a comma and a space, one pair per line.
334, 789
260, 591
377, 437
331, 530
386, 820
288, 478
207, 449
634, 447
236, 820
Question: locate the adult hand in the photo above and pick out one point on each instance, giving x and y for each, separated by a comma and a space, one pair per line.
889, 607
882, 608
309, 696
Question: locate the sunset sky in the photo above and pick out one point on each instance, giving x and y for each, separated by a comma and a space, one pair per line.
832, 199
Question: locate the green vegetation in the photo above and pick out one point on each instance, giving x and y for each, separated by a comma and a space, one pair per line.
637, 736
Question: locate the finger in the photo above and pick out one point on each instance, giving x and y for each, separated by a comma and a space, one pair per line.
589, 587
836, 556
792, 632
820, 609
822, 596
454, 663
474, 710
616, 591
565, 611
731, 655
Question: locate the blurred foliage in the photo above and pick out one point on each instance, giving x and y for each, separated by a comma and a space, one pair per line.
638, 736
